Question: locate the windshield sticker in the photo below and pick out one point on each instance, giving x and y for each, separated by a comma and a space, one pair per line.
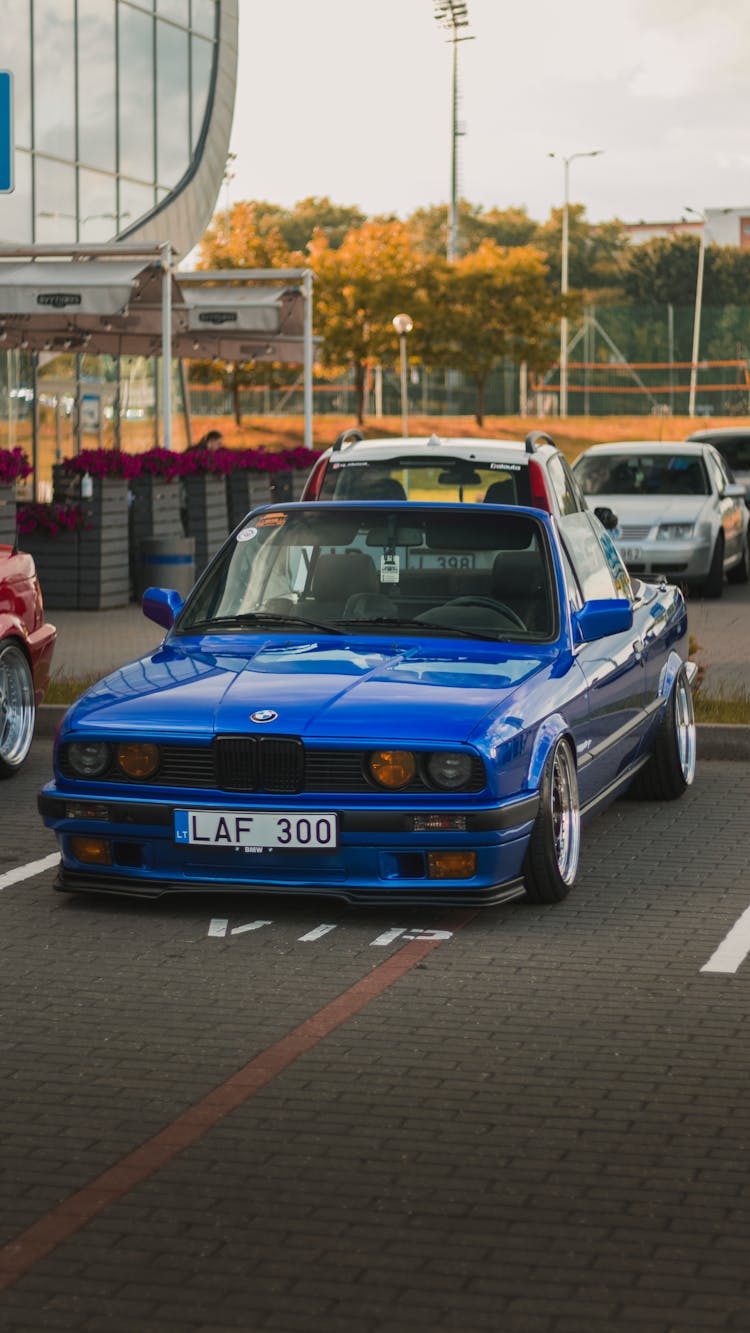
271, 521
247, 534
350, 462
389, 567
506, 467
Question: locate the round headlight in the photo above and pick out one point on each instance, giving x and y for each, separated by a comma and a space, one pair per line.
88, 759
449, 769
138, 759
393, 768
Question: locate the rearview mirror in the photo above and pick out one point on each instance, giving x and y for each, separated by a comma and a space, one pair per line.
162, 605
607, 615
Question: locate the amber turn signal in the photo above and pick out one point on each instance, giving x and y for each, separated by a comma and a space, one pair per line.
94, 851
393, 768
451, 865
138, 759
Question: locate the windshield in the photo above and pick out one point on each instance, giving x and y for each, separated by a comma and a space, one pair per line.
451, 480
662, 473
467, 573
735, 452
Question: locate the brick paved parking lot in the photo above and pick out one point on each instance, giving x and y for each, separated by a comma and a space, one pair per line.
533, 1120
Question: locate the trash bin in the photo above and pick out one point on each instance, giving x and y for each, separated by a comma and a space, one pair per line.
166, 562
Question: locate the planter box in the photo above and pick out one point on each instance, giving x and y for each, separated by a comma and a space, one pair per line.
87, 570
246, 490
103, 570
56, 560
206, 515
8, 514
155, 514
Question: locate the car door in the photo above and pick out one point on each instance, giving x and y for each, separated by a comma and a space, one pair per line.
614, 667
731, 507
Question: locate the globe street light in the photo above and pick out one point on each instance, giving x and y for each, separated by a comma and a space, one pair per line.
403, 324
596, 152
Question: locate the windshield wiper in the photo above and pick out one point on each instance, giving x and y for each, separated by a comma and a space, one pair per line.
257, 617
423, 625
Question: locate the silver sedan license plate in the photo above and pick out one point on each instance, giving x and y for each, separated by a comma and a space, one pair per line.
631, 553
259, 829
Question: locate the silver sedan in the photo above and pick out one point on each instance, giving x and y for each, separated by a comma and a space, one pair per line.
681, 514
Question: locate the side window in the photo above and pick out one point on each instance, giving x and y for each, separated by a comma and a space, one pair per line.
564, 487
718, 479
592, 566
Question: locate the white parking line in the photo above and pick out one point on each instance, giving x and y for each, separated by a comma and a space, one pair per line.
733, 949
316, 934
28, 871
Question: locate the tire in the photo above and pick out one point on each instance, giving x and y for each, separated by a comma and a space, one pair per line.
741, 573
17, 708
671, 768
551, 861
713, 585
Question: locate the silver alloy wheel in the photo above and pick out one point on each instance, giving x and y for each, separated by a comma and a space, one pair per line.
17, 708
684, 721
566, 814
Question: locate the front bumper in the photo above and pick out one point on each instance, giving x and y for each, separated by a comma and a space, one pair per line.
380, 857
682, 561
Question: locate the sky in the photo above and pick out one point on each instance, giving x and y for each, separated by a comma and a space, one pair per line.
353, 101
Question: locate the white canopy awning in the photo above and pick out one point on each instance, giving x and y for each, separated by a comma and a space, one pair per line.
103, 306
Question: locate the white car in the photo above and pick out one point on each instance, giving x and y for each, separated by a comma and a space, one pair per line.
449, 470
733, 443
681, 514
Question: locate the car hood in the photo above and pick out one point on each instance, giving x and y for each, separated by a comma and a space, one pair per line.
316, 689
641, 509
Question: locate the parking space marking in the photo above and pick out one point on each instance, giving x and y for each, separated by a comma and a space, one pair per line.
733, 949
316, 934
21, 1253
28, 871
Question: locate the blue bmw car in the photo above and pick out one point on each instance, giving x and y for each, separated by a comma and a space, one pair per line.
381, 702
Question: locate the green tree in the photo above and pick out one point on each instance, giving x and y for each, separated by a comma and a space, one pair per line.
596, 252
374, 274
497, 303
509, 226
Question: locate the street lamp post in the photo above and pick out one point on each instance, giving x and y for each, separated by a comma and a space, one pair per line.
596, 152
453, 15
403, 325
697, 315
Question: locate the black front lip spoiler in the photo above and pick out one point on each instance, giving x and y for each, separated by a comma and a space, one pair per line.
71, 881
498, 819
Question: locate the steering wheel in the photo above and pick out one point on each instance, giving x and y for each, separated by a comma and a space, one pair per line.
490, 602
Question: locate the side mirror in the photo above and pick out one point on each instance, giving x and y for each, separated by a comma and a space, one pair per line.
734, 491
597, 619
162, 605
607, 517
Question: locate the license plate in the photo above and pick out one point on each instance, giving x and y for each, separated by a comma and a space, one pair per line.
260, 830
631, 553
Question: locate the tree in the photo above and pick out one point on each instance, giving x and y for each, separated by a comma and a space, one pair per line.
374, 274
509, 226
499, 304
596, 252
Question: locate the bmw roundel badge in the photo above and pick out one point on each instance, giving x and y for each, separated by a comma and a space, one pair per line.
263, 715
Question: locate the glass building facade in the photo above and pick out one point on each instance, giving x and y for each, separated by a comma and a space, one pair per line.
111, 105
122, 114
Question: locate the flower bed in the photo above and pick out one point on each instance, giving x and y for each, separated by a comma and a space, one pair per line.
167, 464
14, 466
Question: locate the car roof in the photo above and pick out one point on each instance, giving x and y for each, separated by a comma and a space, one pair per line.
720, 433
635, 446
464, 446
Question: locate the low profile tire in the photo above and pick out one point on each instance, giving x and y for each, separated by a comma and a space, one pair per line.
714, 583
741, 573
551, 863
671, 768
17, 709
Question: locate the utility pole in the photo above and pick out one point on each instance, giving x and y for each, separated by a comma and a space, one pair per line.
453, 15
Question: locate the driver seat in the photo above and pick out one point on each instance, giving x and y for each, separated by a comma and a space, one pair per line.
519, 579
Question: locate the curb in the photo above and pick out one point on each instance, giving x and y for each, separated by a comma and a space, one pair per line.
716, 740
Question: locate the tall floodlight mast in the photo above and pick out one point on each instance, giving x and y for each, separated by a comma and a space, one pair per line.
453, 15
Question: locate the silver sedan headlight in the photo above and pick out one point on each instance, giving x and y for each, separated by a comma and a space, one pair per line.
675, 532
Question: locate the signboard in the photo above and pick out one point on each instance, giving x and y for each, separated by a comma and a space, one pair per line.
90, 412
6, 132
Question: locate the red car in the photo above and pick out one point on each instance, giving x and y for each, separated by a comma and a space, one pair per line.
26, 647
